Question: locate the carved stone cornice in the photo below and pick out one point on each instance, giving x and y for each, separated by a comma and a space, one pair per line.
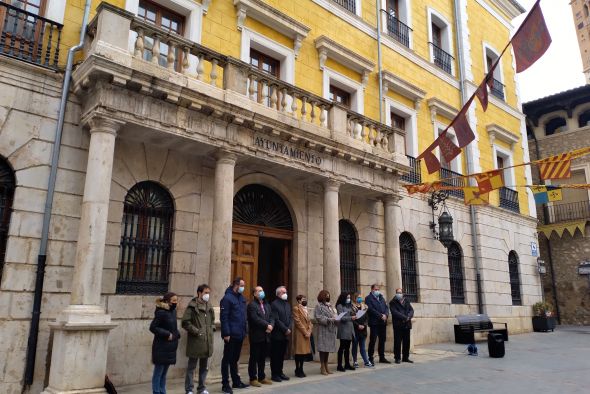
330, 49
403, 87
439, 107
500, 133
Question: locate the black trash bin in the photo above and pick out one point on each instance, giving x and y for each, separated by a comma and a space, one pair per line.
496, 345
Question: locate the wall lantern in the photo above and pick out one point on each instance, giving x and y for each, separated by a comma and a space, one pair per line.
541, 266
445, 220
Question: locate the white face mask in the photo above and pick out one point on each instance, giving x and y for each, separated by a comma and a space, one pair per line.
376, 293
284, 297
206, 297
241, 289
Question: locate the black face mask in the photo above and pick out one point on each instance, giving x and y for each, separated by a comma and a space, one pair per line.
328, 299
304, 303
172, 307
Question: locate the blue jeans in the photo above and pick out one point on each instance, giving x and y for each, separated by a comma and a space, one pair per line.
358, 341
159, 378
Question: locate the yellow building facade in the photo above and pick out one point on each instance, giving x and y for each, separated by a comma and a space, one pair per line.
271, 140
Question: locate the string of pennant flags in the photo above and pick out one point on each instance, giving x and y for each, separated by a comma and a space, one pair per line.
531, 41
553, 167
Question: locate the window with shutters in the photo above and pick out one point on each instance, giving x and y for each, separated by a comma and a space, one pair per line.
146, 240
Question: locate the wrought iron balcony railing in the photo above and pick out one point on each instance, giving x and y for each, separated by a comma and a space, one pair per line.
442, 59
415, 175
29, 37
497, 89
459, 182
349, 5
398, 30
565, 212
509, 199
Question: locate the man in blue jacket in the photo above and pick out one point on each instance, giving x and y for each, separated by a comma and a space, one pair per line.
378, 314
233, 331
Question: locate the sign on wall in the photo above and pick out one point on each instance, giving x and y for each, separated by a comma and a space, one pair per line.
534, 249
287, 150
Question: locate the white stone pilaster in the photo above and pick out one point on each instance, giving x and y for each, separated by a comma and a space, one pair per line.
331, 239
393, 268
220, 262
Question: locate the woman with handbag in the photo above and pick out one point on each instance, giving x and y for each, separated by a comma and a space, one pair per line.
301, 334
166, 335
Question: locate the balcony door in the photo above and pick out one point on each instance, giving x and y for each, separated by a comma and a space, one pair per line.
268, 65
22, 30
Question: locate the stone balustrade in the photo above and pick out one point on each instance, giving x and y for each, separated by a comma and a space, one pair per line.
172, 57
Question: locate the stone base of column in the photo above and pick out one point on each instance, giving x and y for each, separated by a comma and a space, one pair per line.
79, 352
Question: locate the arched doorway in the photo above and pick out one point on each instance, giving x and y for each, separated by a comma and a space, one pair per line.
262, 239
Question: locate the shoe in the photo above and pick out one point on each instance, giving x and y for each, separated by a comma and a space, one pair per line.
189, 392
276, 379
284, 377
369, 365
204, 392
265, 381
371, 361
240, 385
340, 369
323, 370
255, 383
355, 364
227, 390
384, 361
349, 367
407, 360
303, 375
397, 361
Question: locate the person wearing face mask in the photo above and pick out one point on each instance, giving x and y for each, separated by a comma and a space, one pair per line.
402, 314
279, 337
166, 335
260, 324
360, 330
301, 334
199, 322
325, 317
378, 314
345, 331
233, 331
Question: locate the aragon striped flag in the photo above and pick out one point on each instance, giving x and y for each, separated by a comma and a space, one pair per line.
556, 167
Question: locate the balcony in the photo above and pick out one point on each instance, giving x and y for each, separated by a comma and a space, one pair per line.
179, 91
398, 30
29, 37
442, 59
457, 182
497, 89
349, 5
415, 174
557, 213
509, 199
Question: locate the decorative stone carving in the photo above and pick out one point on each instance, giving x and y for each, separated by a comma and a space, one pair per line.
498, 132
439, 107
403, 87
327, 48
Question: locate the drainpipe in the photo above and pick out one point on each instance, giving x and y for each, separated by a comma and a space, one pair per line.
379, 65
474, 240
42, 256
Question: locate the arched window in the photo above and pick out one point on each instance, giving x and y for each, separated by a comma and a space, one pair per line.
146, 240
7, 185
455, 256
555, 125
348, 257
584, 119
514, 278
407, 250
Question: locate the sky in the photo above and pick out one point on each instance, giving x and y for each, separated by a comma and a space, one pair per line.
561, 67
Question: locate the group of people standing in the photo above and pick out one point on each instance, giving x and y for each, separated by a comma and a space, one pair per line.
271, 327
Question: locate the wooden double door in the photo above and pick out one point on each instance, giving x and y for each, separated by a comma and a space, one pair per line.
261, 256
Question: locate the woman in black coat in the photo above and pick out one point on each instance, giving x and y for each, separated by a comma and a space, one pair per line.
166, 335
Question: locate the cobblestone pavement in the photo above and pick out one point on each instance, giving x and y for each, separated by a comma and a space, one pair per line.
557, 362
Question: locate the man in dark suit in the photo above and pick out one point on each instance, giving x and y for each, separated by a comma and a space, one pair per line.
402, 314
261, 324
378, 314
279, 337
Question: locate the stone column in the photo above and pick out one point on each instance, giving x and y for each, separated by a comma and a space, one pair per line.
331, 239
220, 262
80, 344
393, 267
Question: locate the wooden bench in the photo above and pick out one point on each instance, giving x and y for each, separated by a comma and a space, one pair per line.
470, 324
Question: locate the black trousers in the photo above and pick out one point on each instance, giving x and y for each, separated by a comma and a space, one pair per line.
379, 331
257, 359
401, 343
344, 351
277, 356
231, 356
